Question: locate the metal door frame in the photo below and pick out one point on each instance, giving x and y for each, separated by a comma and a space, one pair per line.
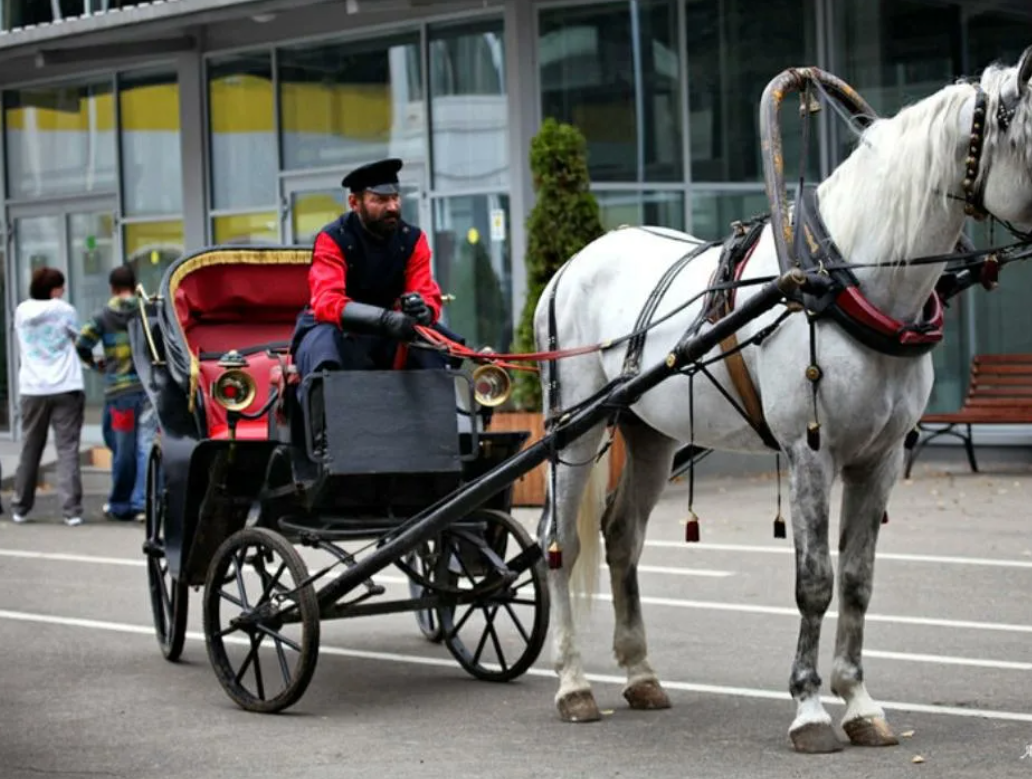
61, 208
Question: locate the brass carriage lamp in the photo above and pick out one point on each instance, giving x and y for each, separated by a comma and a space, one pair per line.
234, 389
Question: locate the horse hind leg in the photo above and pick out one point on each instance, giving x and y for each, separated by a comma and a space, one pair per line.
650, 456
865, 496
574, 699
811, 479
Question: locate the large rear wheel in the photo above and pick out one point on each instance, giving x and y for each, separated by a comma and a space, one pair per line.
169, 597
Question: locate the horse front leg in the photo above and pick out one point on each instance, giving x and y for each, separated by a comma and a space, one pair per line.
811, 479
574, 699
865, 497
650, 456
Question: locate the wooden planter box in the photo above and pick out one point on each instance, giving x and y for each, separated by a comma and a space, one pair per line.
530, 489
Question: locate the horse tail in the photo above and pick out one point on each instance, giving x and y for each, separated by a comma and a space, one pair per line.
584, 576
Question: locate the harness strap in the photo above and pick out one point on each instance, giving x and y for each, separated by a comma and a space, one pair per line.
636, 347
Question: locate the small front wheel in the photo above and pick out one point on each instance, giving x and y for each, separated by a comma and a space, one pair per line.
498, 625
248, 602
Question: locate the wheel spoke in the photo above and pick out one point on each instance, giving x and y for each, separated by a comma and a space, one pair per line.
279, 637
516, 621
494, 639
258, 681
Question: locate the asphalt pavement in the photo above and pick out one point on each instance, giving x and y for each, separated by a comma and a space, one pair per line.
85, 692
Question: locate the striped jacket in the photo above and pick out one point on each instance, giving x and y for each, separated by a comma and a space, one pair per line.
109, 327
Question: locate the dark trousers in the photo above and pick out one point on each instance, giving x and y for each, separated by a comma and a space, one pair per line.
39, 412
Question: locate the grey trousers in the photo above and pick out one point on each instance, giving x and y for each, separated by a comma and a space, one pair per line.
39, 412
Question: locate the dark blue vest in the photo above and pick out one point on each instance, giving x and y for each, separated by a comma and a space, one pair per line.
375, 267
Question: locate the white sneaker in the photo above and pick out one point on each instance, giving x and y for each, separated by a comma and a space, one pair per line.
19, 519
73, 521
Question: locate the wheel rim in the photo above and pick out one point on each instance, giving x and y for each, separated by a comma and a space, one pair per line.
500, 635
168, 597
422, 561
262, 630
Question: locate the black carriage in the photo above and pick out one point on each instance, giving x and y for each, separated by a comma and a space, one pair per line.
243, 493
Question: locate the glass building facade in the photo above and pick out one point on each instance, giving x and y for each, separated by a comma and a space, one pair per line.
245, 138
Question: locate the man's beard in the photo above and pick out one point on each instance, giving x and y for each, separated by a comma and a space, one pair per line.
383, 227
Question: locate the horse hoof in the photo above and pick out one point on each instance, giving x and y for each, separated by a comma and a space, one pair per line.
579, 706
816, 738
647, 695
870, 732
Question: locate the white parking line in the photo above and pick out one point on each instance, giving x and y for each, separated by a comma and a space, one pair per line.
710, 689
787, 549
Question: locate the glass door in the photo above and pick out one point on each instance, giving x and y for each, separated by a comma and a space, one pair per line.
311, 202
79, 239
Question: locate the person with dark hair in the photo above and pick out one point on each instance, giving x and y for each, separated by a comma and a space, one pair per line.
130, 422
51, 393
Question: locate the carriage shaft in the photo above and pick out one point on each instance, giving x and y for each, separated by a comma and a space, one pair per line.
429, 522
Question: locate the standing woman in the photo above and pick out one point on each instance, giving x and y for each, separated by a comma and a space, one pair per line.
52, 392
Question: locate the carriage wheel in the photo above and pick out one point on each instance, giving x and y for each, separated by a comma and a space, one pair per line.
422, 561
247, 578
169, 598
497, 637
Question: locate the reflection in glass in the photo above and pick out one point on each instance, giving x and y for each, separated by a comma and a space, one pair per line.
734, 50
468, 110
713, 212
152, 178
243, 134
895, 52
613, 72
311, 211
261, 228
37, 241
91, 257
471, 262
150, 247
60, 140
659, 209
351, 103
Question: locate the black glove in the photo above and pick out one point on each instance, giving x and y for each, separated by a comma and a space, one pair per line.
414, 305
373, 320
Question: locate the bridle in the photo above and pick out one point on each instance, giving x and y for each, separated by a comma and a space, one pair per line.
973, 184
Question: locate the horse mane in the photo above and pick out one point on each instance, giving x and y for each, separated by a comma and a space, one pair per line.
907, 165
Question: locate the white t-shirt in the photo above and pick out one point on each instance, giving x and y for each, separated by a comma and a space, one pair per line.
46, 343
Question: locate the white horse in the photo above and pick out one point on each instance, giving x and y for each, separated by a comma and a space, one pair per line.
898, 196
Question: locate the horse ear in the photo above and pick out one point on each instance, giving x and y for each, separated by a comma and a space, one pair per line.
1024, 71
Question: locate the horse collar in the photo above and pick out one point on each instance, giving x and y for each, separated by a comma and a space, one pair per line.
846, 304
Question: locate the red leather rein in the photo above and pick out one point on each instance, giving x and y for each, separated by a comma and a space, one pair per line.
502, 359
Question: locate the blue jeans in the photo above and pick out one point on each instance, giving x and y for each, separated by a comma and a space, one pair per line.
130, 425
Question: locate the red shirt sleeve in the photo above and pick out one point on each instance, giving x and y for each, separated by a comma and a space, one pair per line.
418, 277
326, 280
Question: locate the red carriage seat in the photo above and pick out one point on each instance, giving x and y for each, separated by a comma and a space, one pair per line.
239, 298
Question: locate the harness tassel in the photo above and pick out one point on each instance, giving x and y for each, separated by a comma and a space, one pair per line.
691, 528
885, 518
813, 374
779, 521
990, 273
911, 440
555, 556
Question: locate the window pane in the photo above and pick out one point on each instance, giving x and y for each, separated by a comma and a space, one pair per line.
150, 247
5, 375
60, 140
469, 116
37, 241
713, 212
895, 52
152, 178
246, 228
471, 262
659, 209
243, 133
613, 71
351, 103
24, 13
995, 37
734, 50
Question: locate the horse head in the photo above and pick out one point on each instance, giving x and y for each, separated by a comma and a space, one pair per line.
998, 175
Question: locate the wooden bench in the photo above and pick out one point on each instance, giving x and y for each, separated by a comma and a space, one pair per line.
999, 393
